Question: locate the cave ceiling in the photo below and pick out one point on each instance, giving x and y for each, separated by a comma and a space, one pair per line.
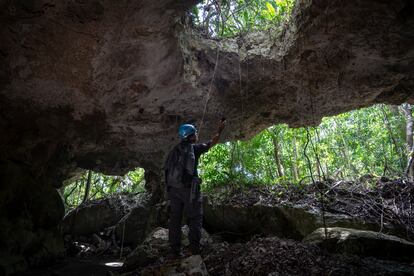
104, 85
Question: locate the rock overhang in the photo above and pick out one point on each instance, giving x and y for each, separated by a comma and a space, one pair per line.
104, 85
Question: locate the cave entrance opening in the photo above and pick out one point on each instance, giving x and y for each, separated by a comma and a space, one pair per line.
354, 163
362, 144
230, 18
90, 185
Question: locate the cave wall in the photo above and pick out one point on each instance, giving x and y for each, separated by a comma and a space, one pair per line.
104, 85
332, 57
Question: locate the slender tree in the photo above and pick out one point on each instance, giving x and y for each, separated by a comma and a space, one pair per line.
295, 167
407, 110
276, 152
87, 187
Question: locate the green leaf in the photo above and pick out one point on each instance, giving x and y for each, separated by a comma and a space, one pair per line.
271, 9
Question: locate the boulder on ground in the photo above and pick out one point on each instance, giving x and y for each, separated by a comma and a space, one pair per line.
247, 220
362, 243
191, 266
158, 238
282, 220
304, 220
94, 216
135, 226
156, 244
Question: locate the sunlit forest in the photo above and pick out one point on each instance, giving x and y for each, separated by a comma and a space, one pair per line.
362, 144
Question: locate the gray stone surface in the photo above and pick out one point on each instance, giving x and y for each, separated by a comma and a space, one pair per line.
363, 243
94, 216
160, 236
191, 266
134, 227
106, 87
282, 220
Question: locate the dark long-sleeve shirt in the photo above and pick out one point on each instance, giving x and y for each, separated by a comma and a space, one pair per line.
190, 158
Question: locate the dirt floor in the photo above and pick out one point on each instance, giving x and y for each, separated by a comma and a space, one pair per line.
274, 256
71, 266
260, 256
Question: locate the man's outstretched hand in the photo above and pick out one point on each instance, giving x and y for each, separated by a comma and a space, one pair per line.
222, 125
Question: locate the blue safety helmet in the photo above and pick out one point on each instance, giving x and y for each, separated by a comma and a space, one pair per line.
186, 130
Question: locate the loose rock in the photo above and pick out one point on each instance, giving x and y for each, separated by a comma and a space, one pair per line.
362, 243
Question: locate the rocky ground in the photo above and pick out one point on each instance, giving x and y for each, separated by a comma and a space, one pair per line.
371, 205
274, 256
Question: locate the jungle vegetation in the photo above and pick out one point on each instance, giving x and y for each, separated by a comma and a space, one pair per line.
366, 143
92, 185
374, 141
229, 18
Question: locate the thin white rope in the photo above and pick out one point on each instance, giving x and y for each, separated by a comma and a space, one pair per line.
209, 90
122, 241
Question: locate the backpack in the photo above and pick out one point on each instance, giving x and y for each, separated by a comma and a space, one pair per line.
179, 166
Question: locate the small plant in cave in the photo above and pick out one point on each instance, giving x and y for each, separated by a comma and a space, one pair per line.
228, 18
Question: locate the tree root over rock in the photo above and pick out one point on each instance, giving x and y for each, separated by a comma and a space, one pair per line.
386, 204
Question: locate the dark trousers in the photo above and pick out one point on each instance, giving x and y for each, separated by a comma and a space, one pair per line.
180, 202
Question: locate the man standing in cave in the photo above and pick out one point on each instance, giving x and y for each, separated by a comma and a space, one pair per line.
183, 187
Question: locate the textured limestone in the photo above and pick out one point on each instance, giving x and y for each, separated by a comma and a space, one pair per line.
363, 243
284, 221
103, 85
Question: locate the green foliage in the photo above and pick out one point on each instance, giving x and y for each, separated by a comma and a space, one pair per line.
227, 18
368, 141
102, 186
350, 145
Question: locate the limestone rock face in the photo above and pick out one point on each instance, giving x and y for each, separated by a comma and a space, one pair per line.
139, 222
132, 217
94, 216
363, 243
104, 85
28, 227
283, 221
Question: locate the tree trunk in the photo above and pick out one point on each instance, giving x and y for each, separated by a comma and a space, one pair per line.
409, 172
327, 172
269, 171
276, 154
321, 173
407, 110
344, 150
87, 187
295, 169
318, 169
391, 137
61, 191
